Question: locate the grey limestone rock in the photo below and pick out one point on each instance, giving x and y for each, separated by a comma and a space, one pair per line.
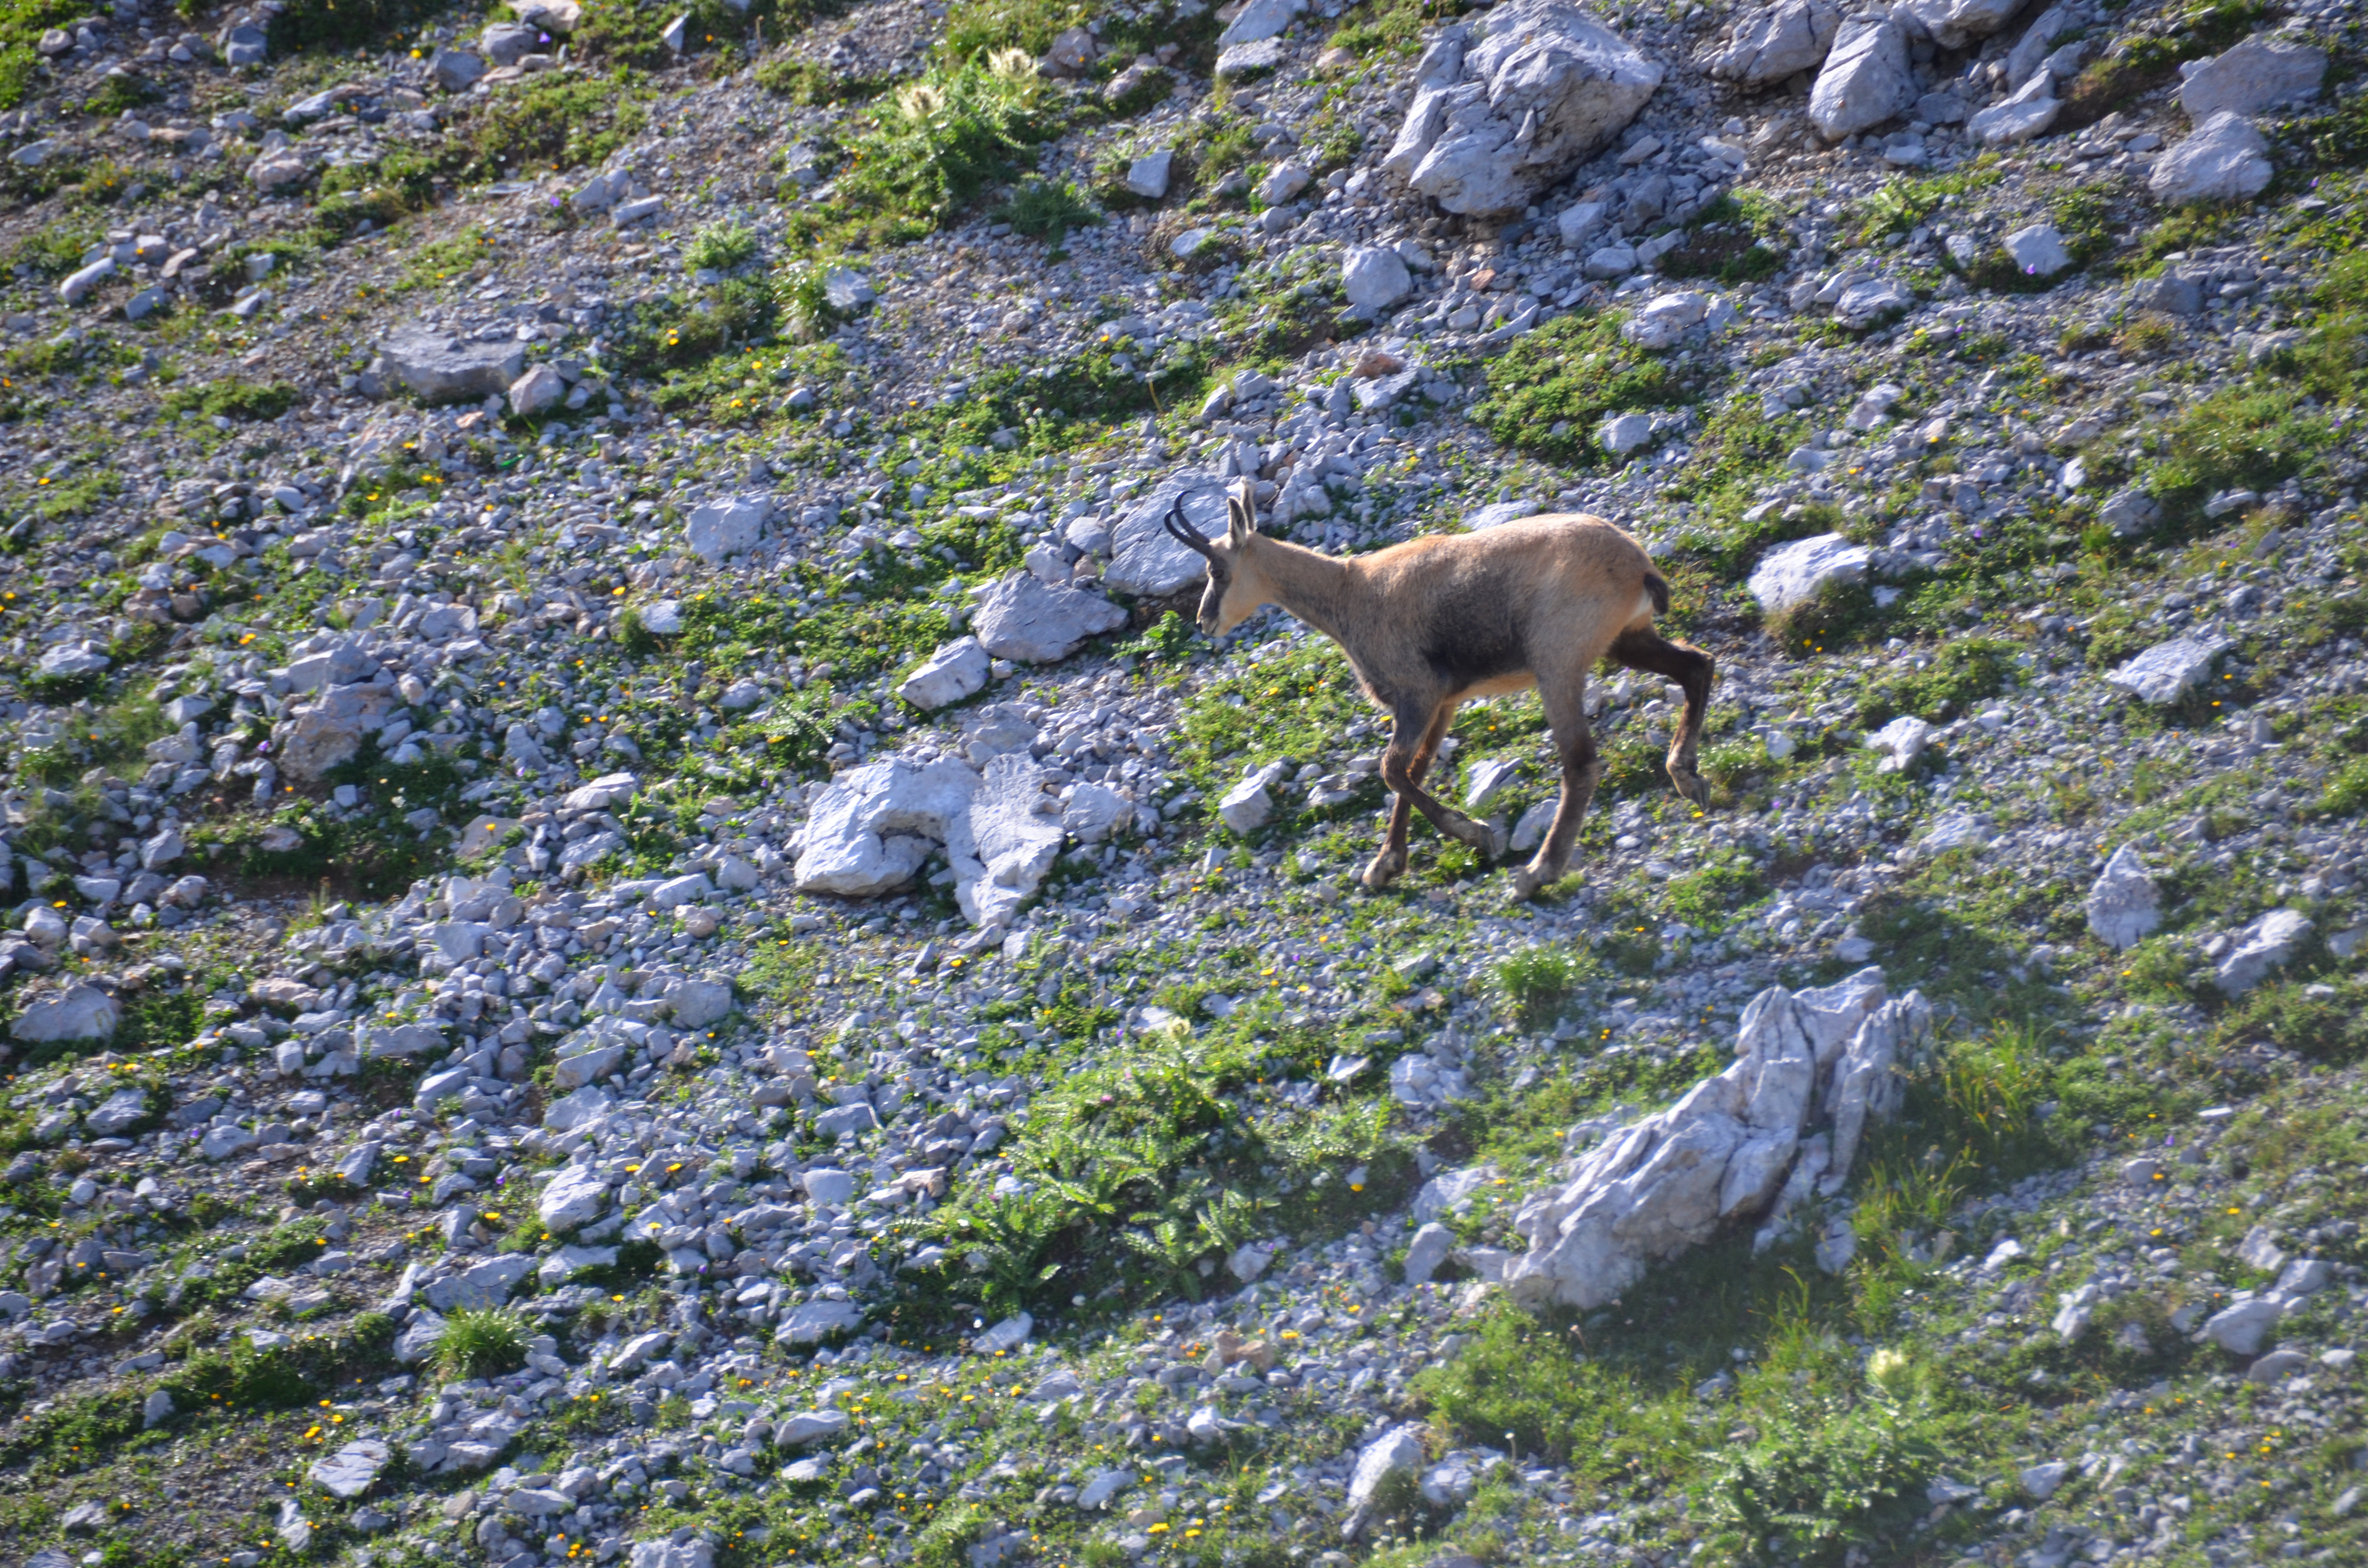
1956, 23
82, 1012
1145, 559
2260, 72
2123, 905
1732, 1147
2165, 673
442, 368
1779, 40
871, 830
1866, 79
720, 530
2267, 944
1506, 105
1797, 573
352, 1469
1026, 618
2226, 160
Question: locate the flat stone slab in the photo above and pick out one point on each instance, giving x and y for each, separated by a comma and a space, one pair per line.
352, 1469
442, 368
2168, 671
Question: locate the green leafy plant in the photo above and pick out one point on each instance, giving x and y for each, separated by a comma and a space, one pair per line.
721, 247
937, 143
1535, 982
231, 398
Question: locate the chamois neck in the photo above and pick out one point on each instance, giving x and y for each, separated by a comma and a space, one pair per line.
1316, 588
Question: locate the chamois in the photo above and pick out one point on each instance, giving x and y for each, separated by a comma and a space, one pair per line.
1434, 622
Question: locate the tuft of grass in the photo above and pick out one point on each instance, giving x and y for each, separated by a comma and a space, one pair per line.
482, 1342
546, 124
981, 26
1961, 674
1047, 210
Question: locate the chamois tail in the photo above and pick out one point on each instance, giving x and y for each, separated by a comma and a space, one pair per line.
1658, 587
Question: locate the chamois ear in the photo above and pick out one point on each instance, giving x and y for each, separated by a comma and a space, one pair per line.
1241, 509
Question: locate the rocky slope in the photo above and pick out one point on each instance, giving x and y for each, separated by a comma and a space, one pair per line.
637, 930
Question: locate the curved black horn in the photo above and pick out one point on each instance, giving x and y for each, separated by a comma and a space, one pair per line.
1181, 528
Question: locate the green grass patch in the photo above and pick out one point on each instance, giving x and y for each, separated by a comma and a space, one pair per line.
232, 398
1551, 388
1148, 1170
1959, 675
547, 124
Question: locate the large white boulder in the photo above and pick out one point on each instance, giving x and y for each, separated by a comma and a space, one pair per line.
442, 368
1005, 841
870, 829
2027, 112
1956, 23
352, 1469
1507, 104
1794, 575
2031, 51
82, 1011
1779, 40
2038, 250
2125, 905
723, 528
1866, 79
2224, 160
1812, 1069
1399, 1449
1027, 619
575, 1196
1871, 299
2259, 74
1665, 320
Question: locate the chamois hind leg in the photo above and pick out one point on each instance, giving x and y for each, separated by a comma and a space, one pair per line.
1566, 705
1692, 668
1391, 863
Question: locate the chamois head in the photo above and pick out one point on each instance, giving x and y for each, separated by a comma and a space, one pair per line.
1237, 587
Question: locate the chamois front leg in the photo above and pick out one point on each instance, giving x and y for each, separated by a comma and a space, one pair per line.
1391, 863
1397, 771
